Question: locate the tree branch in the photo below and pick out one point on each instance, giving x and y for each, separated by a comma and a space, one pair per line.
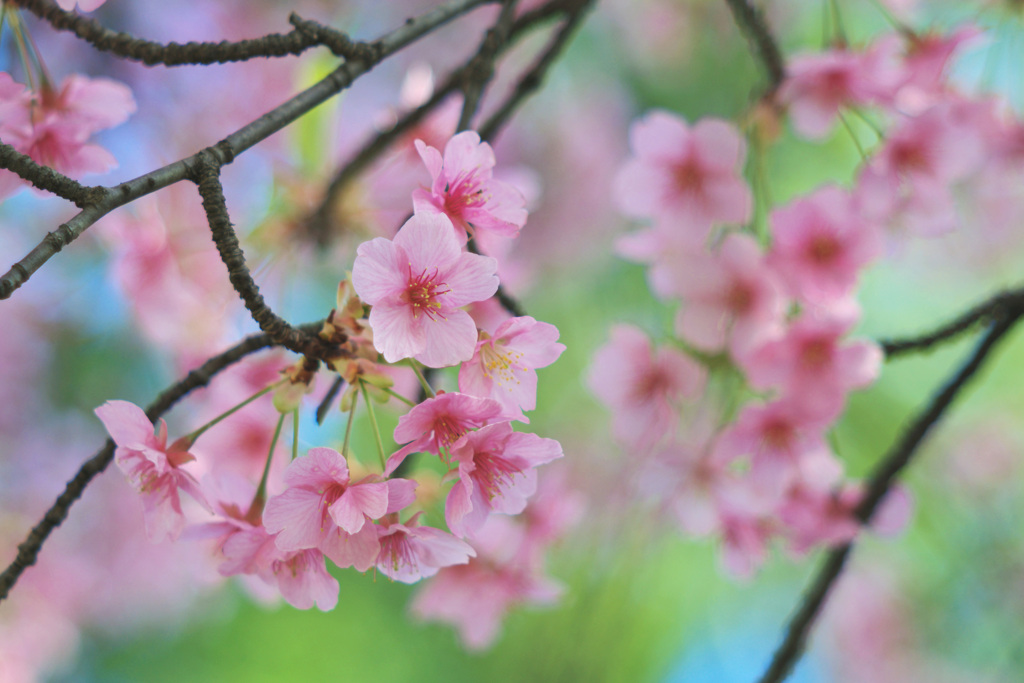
480, 69
752, 23
800, 624
47, 179
986, 310
533, 77
28, 550
227, 149
319, 220
305, 35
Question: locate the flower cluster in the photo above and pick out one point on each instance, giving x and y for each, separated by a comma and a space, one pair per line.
773, 305
325, 505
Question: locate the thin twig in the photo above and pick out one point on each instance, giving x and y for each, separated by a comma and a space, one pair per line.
47, 179
533, 77
325, 404
305, 35
480, 69
319, 220
752, 23
963, 323
224, 237
800, 624
28, 550
227, 149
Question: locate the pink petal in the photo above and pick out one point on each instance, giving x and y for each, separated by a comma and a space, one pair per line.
396, 334
447, 342
295, 517
126, 423
428, 242
380, 270
471, 278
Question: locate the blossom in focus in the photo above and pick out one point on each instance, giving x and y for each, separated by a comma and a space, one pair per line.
300, 575
504, 366
416, 284
322, 508
409, 552
440, 422
688, 174
152, 468
496, 474
463, 190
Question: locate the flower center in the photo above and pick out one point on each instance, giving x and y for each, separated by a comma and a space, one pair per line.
464, 192
816, 354
739, 299
823, 248
493, 474
688, 177
502, 364
422, 293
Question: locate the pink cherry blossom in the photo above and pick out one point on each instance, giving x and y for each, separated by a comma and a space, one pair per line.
642, 387
820, 243
301, 575
439, 423
496, 474
690, 174
818, 85
475, 597
811, 364
781, 438
463, 190
53, 126
668, 251
504, 366
409, 552
322, 508
416, 285
814, 516
152, 468
731, 296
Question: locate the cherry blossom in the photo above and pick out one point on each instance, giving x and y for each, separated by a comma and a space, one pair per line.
496, 474
463, 190
818, 85
811, 364
438, 423
689, 174
409, 552
322, 508
820, 245
504, 366
732, 297
153, 468
641, 386
416, 285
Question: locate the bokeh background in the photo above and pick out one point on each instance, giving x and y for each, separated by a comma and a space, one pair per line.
942, 602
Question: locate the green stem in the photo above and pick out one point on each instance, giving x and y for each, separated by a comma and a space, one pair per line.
348, 427
422, 379
853, 136
192, 436
295, 433
19, 37
373, 421
401, 398
261, 492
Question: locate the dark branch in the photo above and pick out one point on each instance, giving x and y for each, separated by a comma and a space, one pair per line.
328, 400
320, 219
966, 321
752, 23
210, 188
227, 149
47, 179
304, 36
28, 550
532, 79
881, 480
480, 69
